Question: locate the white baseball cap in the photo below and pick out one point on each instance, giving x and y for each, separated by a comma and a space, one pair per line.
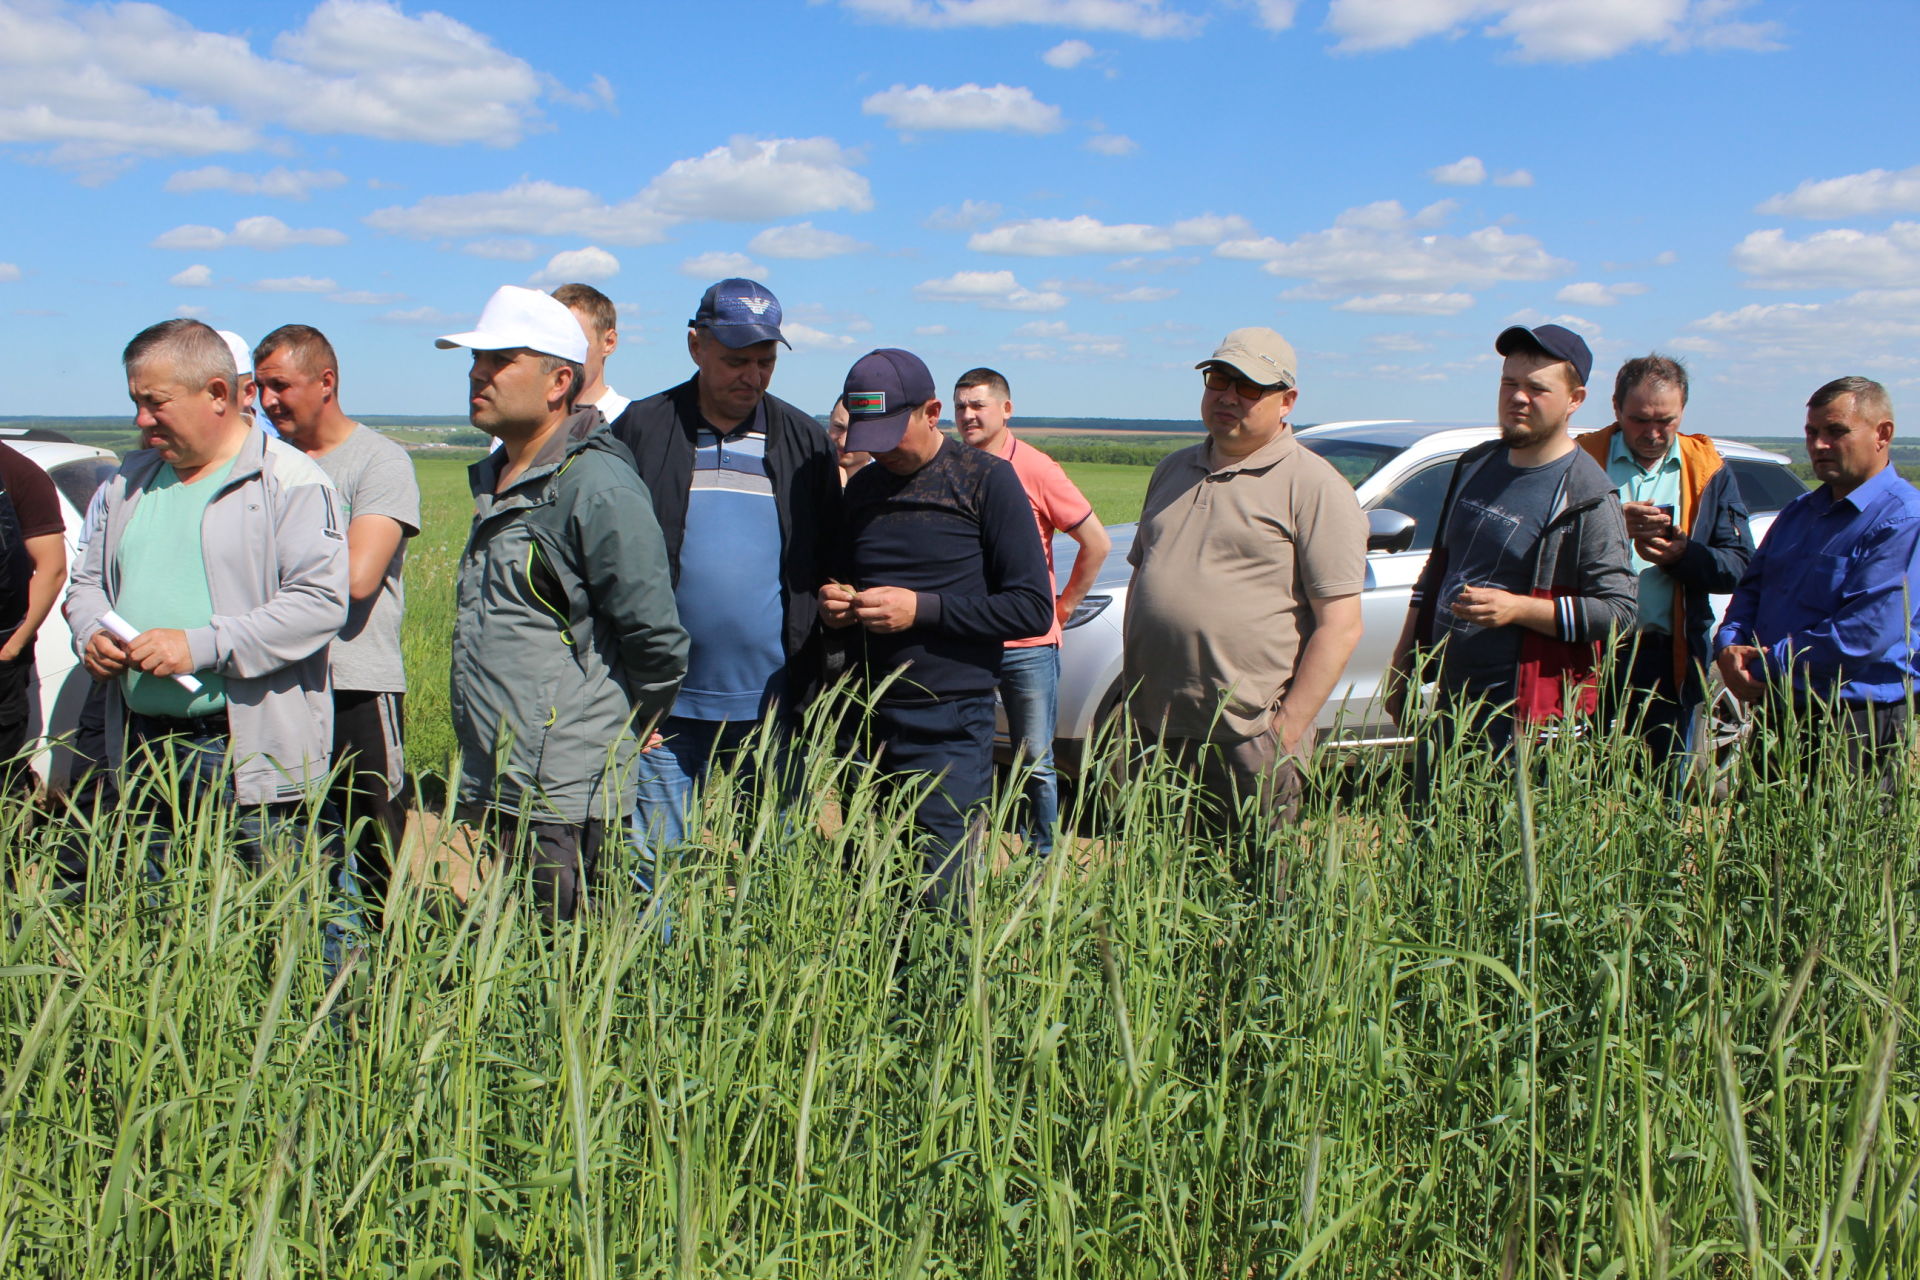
517, 317
242, 353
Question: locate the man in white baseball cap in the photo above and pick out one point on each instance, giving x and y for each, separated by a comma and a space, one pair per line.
249, 388
566, 643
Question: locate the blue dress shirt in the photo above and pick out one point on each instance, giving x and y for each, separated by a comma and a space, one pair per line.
1833, 593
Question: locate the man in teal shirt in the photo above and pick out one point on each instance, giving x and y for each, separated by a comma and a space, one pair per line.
1687, 530
226, 554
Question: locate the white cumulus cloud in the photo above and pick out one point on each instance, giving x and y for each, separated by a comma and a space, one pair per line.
965, 216
1142, 293
1001, 107
1513, 178
9, 272
197, 276
279, 183
1551, 30
1380, 249
805, 337
498, 249
1590, 293
1063, 237
296, 284
1068, 54
1857, 195
720, 265
995, 290
803, 240
1467, 171
588, 265
1408, 304
261, 232
1838, 259
1869, 330
1153, 19
1112, 144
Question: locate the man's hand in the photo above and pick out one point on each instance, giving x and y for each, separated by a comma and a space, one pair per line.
1645, 520
20, 642
1290, 735
886, 609
1738, 665
654, 739
162, 651
104, 657
1661, 549
1487, 606
836, 605
1062, 610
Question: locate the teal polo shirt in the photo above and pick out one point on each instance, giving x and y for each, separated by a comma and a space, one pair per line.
163, 583
1660, 485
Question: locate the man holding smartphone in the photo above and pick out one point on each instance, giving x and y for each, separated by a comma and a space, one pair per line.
1688, 529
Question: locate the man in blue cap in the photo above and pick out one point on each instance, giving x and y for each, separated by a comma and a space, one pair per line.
1528, 573
747, 491
941, 565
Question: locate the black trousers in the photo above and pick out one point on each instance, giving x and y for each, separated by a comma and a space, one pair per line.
560, 857
15, 677
950, 742
1850, 737
369, 790
1643, 695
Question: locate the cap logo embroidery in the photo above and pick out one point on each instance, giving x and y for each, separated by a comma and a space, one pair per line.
758, 306
866, 402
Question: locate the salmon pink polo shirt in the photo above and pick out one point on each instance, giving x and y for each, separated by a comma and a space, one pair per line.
1058, 507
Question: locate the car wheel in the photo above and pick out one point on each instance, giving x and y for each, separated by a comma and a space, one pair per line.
1725, 724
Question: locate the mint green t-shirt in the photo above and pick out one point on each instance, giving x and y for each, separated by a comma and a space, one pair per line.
163, 583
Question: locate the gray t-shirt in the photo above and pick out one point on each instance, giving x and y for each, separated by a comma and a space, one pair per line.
375, 478
1492, 530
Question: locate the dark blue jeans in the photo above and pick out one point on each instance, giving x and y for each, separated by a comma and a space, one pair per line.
686, 758
951, 741
181, 763
1030, 693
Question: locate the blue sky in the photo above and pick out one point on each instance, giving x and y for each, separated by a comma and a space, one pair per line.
1083, 193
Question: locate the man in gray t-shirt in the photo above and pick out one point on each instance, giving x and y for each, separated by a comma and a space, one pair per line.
299, 387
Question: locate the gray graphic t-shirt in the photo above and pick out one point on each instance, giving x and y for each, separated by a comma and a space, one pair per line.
1491, 533
375, 478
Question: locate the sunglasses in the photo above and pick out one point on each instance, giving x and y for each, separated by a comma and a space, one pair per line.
1218, 379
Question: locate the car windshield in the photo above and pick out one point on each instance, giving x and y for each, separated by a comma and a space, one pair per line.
77, 480
1355, 460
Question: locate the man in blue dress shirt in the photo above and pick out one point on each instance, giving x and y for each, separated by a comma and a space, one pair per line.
1821, 629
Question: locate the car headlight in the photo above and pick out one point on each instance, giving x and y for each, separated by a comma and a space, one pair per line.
1086, 611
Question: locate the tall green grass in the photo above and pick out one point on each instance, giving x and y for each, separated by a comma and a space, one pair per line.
1567, 1030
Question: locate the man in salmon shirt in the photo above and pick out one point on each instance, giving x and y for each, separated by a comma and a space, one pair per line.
1030, 668
1690, 540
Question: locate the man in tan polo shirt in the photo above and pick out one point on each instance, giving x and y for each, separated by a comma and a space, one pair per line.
1245, 605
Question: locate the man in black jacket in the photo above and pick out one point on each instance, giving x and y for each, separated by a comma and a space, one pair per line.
1690, 540
748, 496
941, 566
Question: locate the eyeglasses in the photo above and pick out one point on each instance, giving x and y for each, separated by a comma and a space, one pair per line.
1218, 379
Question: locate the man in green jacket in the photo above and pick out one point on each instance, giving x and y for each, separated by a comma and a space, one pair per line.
566, 644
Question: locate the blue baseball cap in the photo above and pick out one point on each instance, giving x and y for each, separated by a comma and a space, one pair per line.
1551, 340
739, 313
882, 390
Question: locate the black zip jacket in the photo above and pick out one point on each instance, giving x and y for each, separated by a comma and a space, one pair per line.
660, 432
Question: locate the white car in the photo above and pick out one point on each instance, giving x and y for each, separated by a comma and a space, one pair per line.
60, 683
1399, 470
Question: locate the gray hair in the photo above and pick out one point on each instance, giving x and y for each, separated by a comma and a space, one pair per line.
1870, 399
549, 363
1661, 371
193, 352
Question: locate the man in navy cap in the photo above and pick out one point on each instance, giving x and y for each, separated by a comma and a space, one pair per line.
747, 491
941, 565
1529, 573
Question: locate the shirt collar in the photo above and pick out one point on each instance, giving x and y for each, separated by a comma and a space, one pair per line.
1265, 456
1620, 453
1864, 496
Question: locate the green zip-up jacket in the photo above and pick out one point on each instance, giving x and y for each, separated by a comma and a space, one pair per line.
566, 644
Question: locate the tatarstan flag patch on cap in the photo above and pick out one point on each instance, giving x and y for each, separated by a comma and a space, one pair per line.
873, 402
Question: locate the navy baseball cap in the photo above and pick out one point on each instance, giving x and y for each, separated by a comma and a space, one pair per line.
739, 313
883, 389
1550, 339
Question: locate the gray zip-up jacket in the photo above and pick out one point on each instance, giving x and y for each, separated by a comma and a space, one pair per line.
275, 548
566, 642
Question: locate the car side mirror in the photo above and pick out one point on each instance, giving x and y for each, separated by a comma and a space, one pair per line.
1389, 531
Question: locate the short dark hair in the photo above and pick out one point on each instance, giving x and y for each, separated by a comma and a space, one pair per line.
599, 309
1661, 371
1869, 397
307, 346
195, 353
992, 379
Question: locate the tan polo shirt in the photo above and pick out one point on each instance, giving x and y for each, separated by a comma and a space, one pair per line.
1225, 563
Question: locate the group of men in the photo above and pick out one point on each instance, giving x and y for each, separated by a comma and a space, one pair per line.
654, 590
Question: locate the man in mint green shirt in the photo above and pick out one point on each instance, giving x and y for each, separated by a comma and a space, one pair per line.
227, 555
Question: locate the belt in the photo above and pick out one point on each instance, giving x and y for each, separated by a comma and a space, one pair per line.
213, 725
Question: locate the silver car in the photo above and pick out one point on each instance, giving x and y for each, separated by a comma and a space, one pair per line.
1399, 471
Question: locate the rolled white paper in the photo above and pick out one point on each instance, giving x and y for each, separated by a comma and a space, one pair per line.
123, 631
